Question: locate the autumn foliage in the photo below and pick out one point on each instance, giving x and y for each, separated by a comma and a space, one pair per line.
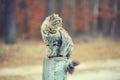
79, 16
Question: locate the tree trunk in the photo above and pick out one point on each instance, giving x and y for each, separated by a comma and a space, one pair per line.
117, 27
59, 7
95, 15
10, 21
85, 11
68, 15
24, 6
72, 15
2, 20
107, 21
50, 7
114, 20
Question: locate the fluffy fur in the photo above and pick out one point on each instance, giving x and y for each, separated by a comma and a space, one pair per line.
57, 40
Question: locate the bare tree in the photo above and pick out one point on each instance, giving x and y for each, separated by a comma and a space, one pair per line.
50, 7
24, 6
2, 19
95, 13
107, 20
72, 16
94, 9
117, 26
10, 21
68, 19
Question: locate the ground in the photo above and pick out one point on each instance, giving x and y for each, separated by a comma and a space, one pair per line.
92, 70
23, 60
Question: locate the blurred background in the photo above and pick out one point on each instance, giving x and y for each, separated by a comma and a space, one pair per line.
94, 26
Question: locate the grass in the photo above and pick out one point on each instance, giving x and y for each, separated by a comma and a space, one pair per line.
32, 53
1, 49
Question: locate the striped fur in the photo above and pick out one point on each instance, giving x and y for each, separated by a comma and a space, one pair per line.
56, 38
